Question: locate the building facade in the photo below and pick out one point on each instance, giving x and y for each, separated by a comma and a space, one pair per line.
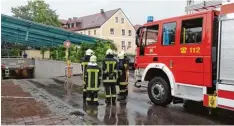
112, 25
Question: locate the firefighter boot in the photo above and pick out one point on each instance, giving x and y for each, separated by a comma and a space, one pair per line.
84, 96
108, 101
113, 100
121, 97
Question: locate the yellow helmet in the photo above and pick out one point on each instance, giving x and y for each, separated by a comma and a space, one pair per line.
120, 55
93, 58
89, 52
109, 52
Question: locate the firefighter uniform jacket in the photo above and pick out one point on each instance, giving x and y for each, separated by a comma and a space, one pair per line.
123, 68
84, 64
110, 69
93, 77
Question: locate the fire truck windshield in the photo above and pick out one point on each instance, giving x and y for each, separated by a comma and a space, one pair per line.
149, 35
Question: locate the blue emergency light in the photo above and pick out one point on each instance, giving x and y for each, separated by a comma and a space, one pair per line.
150, 19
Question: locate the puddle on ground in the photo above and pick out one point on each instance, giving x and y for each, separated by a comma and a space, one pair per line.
77, 113
136, 110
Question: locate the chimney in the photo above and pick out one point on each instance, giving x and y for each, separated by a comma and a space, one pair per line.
102, 11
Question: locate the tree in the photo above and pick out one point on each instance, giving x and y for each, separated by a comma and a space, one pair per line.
38, 11
75, 54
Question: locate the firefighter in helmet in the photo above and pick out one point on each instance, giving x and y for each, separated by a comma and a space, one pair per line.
123, 76
92, 80
110, 75
84, 63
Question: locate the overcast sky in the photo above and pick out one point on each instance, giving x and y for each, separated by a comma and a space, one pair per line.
136, 10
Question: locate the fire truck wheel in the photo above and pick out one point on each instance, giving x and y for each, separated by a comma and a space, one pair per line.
159, 91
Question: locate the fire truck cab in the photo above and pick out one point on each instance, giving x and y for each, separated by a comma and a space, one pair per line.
189, 57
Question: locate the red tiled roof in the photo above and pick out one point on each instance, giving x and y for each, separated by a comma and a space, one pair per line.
137, 26
90, 21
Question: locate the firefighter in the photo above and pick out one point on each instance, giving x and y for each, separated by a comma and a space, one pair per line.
123, 76
110, 75
84, 63
92, 80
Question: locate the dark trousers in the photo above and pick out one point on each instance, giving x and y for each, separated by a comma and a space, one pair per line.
92, 97
84, 92
123, 90
110, 92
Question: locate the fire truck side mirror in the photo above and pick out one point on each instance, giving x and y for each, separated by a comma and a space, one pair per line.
138, 36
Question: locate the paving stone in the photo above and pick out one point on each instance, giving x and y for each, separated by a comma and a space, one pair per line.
56, 120
20, 123
66, 122
45, 118
40, 122
18, 119
37, 119
28, 119
29, 123
59, 123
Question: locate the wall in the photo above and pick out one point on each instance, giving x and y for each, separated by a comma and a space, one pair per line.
37, 54
86, 32
51, 68
117, 37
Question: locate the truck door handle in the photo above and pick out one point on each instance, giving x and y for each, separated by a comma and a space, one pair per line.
199, 60
155, 59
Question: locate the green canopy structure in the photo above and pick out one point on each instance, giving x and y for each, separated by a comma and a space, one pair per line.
15, 30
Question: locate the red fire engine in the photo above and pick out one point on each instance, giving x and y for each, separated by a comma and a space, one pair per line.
190, 57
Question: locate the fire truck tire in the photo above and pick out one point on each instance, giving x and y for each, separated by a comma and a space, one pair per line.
159, 91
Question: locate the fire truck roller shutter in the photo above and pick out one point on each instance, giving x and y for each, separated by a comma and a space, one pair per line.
165, 69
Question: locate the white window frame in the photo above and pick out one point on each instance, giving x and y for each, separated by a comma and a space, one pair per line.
122, 20
113, 31
94, 32
123, 45
129, 45
123, 32
130, 31
116, 19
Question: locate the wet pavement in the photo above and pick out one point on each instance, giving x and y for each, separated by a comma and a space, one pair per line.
136, 110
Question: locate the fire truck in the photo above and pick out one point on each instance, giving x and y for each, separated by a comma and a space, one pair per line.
189, 57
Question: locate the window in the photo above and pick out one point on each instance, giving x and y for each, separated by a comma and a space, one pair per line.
77, 23
129, 45
68, 25
123, 45
123, 32
94, 32
168, 37
129, 32
122, 20
112, 31
150, 35
88, 32
191, 31
116, 20
72, 25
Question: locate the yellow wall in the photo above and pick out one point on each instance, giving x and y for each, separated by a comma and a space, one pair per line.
117, 37
37, 54
86, 31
